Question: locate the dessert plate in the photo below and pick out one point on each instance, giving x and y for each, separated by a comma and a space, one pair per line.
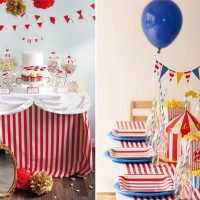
130, 139
143, 194
127, 160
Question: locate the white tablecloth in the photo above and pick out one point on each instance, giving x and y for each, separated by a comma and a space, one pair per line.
72, 103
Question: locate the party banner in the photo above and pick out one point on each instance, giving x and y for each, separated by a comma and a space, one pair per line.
163, 69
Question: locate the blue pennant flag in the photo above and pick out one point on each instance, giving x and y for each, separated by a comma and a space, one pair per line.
196, 72
163, 71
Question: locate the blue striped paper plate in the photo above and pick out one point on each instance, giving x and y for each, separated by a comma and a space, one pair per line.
143, 194
123, 160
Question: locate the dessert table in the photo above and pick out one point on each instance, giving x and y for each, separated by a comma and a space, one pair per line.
142, 168
48, 132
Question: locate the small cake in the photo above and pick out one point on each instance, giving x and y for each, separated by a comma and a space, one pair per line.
32, 58
33, 74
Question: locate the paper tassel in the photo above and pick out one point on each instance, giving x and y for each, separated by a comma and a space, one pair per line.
92, 6
80, 14
196, 72
179, 76
171, 74
14, 27
37, 17
163, 71
27, 26
39, 24
67, 18
1, 27
187, 75
52, 20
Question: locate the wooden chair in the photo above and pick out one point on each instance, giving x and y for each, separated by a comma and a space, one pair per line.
139, 105
106, 196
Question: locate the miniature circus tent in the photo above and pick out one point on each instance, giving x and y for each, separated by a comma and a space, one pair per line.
177, 128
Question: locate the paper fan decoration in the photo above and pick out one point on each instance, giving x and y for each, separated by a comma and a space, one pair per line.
43, 4
3, 1
184, 123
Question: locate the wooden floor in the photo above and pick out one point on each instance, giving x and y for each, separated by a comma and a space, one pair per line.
83, 189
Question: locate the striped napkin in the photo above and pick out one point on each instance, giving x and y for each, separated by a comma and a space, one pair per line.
146, 183
129, 132
136, 152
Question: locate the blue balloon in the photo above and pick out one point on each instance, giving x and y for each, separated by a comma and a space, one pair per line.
161, 22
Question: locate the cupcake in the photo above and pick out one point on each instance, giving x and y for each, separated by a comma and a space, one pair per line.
33, 76
40, 75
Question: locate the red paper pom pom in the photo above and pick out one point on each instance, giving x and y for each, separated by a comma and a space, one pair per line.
23, 179
3, 1
44, 4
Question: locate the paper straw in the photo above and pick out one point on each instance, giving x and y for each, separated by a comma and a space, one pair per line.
183, 167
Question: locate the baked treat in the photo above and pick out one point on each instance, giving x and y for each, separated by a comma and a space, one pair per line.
33, 74
32, 58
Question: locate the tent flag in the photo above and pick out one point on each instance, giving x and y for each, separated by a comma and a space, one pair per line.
196, 72
163, 70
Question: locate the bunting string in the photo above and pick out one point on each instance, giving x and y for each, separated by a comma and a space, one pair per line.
79, 15
32, 40
163, 69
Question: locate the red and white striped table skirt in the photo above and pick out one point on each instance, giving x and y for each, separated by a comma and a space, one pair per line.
146, 168
44, 141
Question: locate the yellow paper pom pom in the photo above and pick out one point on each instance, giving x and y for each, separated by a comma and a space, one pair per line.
196, 173
192, 136
41, 183
15, 7
173, 104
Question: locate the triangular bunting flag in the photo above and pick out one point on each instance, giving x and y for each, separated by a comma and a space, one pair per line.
27, 26
52, 20
1, 27
179, 76
94, 18
92, 6
14, 27
80, 14
163, 71
157, 66
171, 74
196, 72
67, 18
39, 24
187, 75
37, 17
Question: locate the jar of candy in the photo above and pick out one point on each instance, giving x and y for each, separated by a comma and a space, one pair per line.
53, 62
68, 64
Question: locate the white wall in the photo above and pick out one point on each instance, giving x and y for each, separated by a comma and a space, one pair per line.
77, 38
125, 65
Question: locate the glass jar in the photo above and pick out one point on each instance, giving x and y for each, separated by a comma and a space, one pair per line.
53, 62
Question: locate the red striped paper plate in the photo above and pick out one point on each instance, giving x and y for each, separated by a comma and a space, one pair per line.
129, 132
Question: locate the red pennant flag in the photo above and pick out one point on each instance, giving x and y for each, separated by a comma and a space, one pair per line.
53, 20
1, 27
14, 27
158, 65
92, 6
187, 75
37, 17
80, 14
94, 18
67, 18
39, 24
171, 74
27, 26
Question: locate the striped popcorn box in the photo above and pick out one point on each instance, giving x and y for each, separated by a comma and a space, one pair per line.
173, 109
173, 149
194, 156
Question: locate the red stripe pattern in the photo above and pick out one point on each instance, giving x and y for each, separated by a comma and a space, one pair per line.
148, 168
40, 140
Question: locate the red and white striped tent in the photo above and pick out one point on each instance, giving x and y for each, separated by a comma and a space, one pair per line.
177, 128
184, 124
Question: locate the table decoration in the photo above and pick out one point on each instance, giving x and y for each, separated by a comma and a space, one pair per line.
41, 183
43, 4
53, 62
175, 130
23, 179
15, 7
